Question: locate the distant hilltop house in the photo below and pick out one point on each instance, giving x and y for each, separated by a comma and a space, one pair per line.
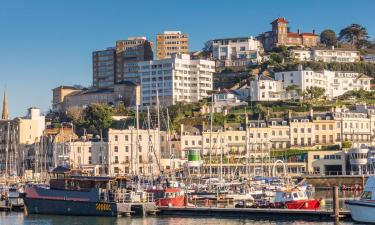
65, 97
281, 35
335, 83
236, 52
326, 54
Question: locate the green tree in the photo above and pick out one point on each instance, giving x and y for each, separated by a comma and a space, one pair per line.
207, 49
313, 94
353, 34
346, 144
328, 37
98, 117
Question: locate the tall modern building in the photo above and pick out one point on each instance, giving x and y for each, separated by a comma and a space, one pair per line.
177, 79
104, 67
170, 43
128, 54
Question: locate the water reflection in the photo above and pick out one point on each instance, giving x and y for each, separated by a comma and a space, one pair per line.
20, 218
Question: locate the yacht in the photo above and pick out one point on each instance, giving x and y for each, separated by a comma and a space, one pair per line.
363, 209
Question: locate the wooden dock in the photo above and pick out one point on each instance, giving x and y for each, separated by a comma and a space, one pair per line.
266, 213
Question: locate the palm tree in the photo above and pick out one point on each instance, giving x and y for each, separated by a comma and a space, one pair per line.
353, 34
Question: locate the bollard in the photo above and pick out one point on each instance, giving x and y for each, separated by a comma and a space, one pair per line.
336, 209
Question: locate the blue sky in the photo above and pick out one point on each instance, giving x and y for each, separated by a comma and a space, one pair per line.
45, 43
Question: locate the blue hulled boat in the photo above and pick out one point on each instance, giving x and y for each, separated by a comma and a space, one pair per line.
69, 194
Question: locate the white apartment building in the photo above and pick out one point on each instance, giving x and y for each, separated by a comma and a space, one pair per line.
176, 79
90, 155
335, 83
326, 55
355, 126
265, 88
133, 151
240, 51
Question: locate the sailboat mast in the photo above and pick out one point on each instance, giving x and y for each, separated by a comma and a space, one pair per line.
137, 143
6, 151
158, 111
210, 154
149, 137
171, 155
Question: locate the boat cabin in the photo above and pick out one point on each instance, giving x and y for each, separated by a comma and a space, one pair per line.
287, 196
166, 193
65, 179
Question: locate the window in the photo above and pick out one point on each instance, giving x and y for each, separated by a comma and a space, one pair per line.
186, 143
316, 156
316, 127
126, 138
331, 127
116, 159
366, 195
116, 149
116, 138
90, 160
89, 149
126, 148
324, 127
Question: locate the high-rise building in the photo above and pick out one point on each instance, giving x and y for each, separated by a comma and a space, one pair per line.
178, 79
128, 54
104, 67
170, 43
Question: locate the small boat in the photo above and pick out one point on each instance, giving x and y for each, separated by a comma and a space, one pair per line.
363, 209
16, 198
168, 197
295, 199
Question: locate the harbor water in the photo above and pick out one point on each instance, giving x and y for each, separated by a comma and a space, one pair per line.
19, 218
14, 218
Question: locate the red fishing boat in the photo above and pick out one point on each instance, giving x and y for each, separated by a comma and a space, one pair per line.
168, 197
295, 199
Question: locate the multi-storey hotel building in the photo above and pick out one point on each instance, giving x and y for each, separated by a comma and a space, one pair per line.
178, 79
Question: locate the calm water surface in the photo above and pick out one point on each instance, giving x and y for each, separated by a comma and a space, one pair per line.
15, 218
19, 218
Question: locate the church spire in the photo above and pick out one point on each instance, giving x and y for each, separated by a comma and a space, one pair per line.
5, 115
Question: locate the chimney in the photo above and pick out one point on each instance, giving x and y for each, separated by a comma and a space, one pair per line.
298, 31
333, 47
289, 114
311, 113
300, 67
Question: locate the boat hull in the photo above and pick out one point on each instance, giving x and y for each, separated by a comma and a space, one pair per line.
176, 201
69, 207
299, 204
361, 211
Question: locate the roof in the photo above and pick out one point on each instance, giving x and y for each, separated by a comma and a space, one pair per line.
308, 34
130, 83
264, 77
280, 20
234, 38
60, 169
67, 87
291, 34
365, 76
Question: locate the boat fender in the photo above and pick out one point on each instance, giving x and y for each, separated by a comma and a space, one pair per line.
322, 202
170, 204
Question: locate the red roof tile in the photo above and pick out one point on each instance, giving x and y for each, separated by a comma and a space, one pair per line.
309, 34
280, 20
291, 34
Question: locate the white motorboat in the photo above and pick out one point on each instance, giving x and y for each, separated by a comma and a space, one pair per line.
363, 210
